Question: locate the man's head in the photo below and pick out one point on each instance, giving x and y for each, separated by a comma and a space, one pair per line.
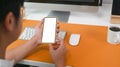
10, 18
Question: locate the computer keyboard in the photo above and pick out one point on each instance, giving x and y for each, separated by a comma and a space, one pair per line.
29, 32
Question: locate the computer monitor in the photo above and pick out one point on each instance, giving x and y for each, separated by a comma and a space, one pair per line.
116, 7
115, 12
64, 7
78, 2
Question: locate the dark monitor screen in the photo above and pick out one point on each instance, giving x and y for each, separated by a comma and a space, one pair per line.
76, 2
116, 7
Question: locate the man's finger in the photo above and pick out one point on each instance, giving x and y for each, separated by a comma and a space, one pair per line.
57, 32
61, 44
58, 25
41, 22
51, 47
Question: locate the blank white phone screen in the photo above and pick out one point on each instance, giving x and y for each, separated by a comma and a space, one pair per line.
49, 30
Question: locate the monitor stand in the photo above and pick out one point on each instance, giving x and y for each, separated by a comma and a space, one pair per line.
62, 16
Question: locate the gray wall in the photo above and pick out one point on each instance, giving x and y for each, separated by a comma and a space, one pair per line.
107, 1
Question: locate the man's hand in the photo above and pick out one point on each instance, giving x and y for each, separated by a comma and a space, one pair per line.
58, 53
38, 31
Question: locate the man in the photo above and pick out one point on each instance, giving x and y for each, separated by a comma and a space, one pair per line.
10, 28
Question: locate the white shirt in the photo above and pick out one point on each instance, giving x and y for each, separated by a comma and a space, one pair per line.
5, 63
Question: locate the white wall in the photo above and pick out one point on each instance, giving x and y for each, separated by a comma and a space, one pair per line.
107, 1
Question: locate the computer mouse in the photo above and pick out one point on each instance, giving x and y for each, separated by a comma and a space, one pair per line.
74, 39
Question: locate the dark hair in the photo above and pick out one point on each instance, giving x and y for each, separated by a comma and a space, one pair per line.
7, 6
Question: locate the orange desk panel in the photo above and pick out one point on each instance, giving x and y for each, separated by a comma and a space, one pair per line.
92, 51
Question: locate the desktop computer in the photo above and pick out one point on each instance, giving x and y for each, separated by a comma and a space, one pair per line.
115, 12
62, 8
116, 7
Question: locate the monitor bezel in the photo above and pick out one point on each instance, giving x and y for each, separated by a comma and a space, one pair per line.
95, 3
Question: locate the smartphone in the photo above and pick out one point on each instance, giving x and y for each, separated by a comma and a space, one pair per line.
49, 30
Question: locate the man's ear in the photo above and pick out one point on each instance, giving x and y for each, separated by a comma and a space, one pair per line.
9, 22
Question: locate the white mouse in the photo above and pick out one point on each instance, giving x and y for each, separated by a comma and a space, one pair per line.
74, 39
